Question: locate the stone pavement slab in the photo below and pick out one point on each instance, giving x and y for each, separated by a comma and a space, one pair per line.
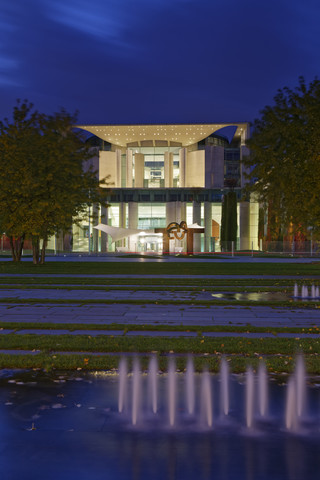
156, 314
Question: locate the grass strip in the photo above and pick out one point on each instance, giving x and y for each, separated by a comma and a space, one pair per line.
196, 303
152, 281
163, 345
139, 288
161, 268
156, 328
275, 364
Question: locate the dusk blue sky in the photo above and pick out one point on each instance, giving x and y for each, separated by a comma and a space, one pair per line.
155, 61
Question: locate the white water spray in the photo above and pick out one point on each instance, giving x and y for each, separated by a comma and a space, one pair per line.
224, 387
206, 399
300, 382
249, 397
190, 387
262, 389
291, 407
136, 391
172, 381
123, 377
153, 383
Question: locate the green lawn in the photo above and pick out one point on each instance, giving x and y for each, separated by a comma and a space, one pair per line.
125, 328
163, 345
279, 353
159, 268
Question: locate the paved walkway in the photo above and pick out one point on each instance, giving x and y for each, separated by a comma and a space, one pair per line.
151, 258
153, 314
138, 295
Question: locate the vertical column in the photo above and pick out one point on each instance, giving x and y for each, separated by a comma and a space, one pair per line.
244, 226
104, 236
196, 218
170, 217
254, 224
168, 169
139, 170
214, 166
170, 212
122, 219
118, 169
133, 218
180, 216
207, 226
95, 232
129, 168
182, 167
183, 211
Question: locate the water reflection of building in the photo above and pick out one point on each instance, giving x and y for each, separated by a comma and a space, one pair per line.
168, 173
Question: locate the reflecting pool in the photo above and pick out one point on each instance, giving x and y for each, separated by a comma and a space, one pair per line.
70, 426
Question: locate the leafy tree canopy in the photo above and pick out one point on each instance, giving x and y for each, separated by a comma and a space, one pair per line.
285, 155
43, 184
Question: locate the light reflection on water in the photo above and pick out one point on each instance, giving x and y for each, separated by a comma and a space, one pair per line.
80, 435
256, 296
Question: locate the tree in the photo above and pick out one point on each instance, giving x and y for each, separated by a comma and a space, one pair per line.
229, 220
43, 185
284, 158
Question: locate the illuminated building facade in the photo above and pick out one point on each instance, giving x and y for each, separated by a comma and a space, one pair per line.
159, 174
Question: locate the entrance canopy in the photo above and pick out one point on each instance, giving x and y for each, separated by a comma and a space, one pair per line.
118, 233
176, 134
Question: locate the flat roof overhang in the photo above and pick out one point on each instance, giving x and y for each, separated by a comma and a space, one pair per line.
184, 134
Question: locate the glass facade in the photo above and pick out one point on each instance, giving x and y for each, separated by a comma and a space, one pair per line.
159, 200
154, 165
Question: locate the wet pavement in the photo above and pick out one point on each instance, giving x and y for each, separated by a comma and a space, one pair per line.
153, 314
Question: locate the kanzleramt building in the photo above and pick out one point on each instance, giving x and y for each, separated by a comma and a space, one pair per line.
158, 174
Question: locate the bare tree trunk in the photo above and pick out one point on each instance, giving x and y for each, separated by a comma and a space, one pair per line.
16, 245
35, 249
21, 243
43, 250
13, 252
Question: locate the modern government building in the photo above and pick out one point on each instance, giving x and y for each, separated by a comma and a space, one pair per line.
159, 174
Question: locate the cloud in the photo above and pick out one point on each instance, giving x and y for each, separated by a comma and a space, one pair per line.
99, 20
187, 60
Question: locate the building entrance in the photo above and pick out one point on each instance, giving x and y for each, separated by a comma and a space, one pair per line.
152, 243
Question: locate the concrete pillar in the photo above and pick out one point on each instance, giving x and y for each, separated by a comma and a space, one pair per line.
138, 170
95, 232
214, 167
196, 218
207, 226
170, 212
168, 169
183, 211
133, 219
244, 226
104, 236
129, 168
182, 167
170, 217
254, 225
181, 216
122, 219
118, 169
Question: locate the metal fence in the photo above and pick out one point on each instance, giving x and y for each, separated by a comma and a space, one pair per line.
263, 248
